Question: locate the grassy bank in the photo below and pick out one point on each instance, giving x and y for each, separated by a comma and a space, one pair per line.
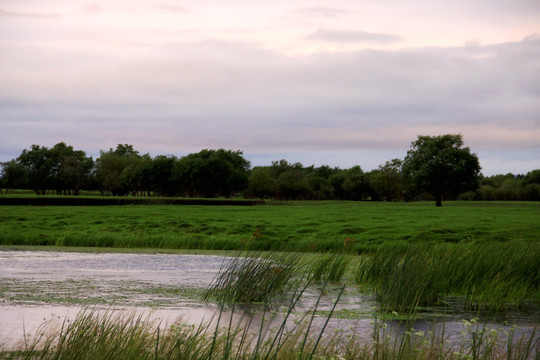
300, 226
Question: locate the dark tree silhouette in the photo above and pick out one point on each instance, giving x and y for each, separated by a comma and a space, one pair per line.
441, 165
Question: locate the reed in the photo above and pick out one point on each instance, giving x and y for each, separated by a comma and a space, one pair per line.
90, 336
329, 267
486, 276
255, 278
98, 336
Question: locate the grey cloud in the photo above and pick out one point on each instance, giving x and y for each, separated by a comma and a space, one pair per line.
236, 95
532, 37
474, 10
36, 16
423, 84
353, 36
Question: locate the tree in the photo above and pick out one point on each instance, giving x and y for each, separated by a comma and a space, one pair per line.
14, 175
39, 168
319, 183
532, 177
38, 163
110, 166
355, 184
70, 168
162, 169
211, 173
138, 174
336, 181
531, 186
387, 181
185, 174
292, 185
260, 183
441, 166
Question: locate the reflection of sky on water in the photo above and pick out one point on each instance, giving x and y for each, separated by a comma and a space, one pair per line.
181, 270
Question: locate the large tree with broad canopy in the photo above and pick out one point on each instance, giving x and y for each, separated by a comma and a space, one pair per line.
441, 166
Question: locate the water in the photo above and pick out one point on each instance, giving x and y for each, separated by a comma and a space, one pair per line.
39, 286
181, 270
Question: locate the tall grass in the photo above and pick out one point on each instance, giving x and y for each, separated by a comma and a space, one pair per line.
488, 276
401, 280
90, 336
254, 278
330, 267
104, 336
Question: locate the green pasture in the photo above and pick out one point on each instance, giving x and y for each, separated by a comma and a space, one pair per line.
298, 226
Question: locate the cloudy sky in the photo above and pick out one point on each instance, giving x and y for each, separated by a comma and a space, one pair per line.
339, 83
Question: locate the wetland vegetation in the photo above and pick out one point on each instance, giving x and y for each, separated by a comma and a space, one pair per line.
263, 333
103, 336
411, 259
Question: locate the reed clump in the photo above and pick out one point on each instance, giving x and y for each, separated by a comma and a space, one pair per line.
330, 267
255, 278
89, 336
487, 276
105, 336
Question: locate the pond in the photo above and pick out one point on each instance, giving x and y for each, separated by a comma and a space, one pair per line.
39, 286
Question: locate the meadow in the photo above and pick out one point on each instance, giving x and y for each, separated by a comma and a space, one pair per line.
355, 227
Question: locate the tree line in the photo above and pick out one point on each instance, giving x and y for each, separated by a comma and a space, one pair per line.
123, 171
437, 168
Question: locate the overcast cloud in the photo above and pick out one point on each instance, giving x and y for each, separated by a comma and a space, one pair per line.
353, 36
351, 84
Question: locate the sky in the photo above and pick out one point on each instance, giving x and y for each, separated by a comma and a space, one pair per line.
341, 83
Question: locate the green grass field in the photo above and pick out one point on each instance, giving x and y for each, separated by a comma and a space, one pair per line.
298, 226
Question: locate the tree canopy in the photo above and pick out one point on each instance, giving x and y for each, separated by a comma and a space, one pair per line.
212, 173
442, 166
39, 168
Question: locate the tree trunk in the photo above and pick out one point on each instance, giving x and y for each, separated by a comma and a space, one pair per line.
438, 200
